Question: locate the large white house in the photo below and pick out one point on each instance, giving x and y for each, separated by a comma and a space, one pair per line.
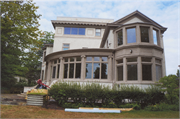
127, 51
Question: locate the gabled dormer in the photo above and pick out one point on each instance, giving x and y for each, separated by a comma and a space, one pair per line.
135, 28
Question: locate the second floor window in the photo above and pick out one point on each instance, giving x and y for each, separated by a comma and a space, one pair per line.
98, 32
120, 37
74, 31
131, 35
144, 34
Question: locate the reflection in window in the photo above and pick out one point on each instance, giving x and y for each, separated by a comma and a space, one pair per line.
104, 72
146, 72
88, 70
78, 70
96, 58
158, 72
155, 37
54, 72
96, 70
132, 72
71, 71
144, 34
89, 59
65, 70
74, 31
104, 59
131, 35
120, 73
120, 37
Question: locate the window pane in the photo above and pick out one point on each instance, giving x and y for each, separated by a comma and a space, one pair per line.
144, 34
74, 31
78, 70
96, 58
55, 61
155, 37
78, 58
104, 72
158, 73
65, 45
120, 61
88, 70
89, 59
66, 59
146, 59
59, 61
120, 37
65, 48
96, 70
146, 72
131, 35
67, 30
98, 32
132, 72
71, 71
54, 72
104, 59
58, 71
81, 31
120, 73
65, 70
72, 59
131, 59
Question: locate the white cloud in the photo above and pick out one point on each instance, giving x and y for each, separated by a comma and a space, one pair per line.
164, 12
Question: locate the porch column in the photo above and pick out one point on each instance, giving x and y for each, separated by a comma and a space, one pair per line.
110, 68
153, 69
124, 69
139, 70
49, 72
61, 68
83, 67
138, 34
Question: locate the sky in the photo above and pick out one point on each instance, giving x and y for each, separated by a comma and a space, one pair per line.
164, 12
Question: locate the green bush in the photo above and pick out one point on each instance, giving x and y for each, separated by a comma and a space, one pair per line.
162, 107
73, 94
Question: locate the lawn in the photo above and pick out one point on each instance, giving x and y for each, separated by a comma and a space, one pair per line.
14, 111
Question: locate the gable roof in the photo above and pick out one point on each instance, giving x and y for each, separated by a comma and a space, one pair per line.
120, 22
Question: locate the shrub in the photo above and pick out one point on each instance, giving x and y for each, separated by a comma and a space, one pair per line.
162, 107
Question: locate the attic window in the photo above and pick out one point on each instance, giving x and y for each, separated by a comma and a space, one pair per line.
74, 31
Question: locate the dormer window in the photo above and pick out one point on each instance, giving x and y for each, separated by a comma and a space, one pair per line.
74, 31
144, 34
131, 35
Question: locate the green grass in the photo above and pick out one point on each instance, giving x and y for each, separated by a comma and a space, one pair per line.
13, 111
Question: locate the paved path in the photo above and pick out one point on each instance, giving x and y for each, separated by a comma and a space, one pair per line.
12, 99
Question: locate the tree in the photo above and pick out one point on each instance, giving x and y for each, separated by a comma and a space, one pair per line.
178, 75
170, 85
19, 35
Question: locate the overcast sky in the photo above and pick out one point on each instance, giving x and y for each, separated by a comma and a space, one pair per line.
164, 12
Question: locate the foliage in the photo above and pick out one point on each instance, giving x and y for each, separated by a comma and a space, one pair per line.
178, 73
71, 94
19, 35
162, 107
170, 85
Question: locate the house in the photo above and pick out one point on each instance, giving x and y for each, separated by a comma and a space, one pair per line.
127, 51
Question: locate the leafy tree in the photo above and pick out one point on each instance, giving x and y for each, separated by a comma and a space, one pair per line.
170, 85
178, 75
19, 35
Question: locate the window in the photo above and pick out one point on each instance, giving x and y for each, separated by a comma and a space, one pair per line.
96, 67
120, 73
98, 32
56, 68
146, 59
74, 31
120, 37
72, 67
131, 35
132, 59
146, 72
132, 72
65, 46
158, 72
144, 34
155, 37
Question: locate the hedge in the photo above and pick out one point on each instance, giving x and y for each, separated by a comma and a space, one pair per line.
74, 94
